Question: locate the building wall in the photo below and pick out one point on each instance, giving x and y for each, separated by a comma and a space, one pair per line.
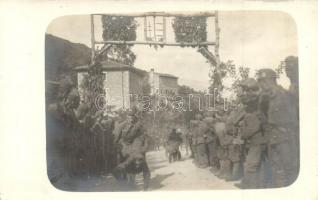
135, 83
117, 89
116, 86
168, 85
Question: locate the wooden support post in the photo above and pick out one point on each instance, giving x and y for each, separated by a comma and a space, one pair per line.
217, 39
92, 40
216, 48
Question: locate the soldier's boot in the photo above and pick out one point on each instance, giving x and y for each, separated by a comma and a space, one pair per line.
236, 172
215, 170
249, 181
215, 166
226, 169
222, 171
279, 179
146, 176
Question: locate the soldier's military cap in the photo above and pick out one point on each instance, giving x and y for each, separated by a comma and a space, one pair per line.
291, 59
249, 83
266, 74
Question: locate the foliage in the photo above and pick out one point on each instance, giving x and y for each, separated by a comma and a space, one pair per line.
93, 86
190, 29
191, 106
217, 75
280, 68
241, 74
120, 28
61, 56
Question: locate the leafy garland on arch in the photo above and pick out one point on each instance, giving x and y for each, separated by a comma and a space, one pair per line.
120, 28
190, 29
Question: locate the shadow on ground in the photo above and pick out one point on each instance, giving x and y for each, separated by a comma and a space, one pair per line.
156, 182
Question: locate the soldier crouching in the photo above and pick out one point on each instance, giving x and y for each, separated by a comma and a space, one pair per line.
133, 146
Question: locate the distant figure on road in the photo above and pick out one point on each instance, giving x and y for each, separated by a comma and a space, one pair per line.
173, 143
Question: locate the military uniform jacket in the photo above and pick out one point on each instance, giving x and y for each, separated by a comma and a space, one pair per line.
193, 127
224, 140
281, 116
251, 129
234, 152
129, 132
200, 132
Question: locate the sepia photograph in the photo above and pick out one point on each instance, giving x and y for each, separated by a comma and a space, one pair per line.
172, 101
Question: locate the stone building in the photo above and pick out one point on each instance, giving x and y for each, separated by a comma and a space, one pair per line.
164, 84
123, 83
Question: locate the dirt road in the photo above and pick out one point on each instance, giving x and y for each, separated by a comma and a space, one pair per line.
181, 175
165, 176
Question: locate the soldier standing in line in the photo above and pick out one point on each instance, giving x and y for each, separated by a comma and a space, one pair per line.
212, 143
251, 133
291, 69
235, 155
200, 133
280, 126
192, 139
225, 171
235, 148
102, 129
67, 101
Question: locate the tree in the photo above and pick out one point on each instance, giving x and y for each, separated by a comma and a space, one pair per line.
93, 87
243, 73
120, 28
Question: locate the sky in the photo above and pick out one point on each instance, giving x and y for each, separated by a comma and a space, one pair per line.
254, 39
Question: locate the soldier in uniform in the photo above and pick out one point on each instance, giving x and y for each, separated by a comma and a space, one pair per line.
174, 142
102, 129
200, 135
234, 152
133, 144
225, 171
192, 139
291, 69
251, 133
281, 119
212, 143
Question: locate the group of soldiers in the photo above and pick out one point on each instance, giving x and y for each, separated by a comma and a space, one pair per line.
95, 142
258, 141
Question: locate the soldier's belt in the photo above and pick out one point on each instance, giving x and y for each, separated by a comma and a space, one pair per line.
279, 128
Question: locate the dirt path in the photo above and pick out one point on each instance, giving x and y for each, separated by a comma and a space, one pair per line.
180, 175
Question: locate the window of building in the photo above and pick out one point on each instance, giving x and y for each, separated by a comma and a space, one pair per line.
105, 76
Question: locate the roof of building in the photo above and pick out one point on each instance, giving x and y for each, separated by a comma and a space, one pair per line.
112, 66
167, 75
116, 66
